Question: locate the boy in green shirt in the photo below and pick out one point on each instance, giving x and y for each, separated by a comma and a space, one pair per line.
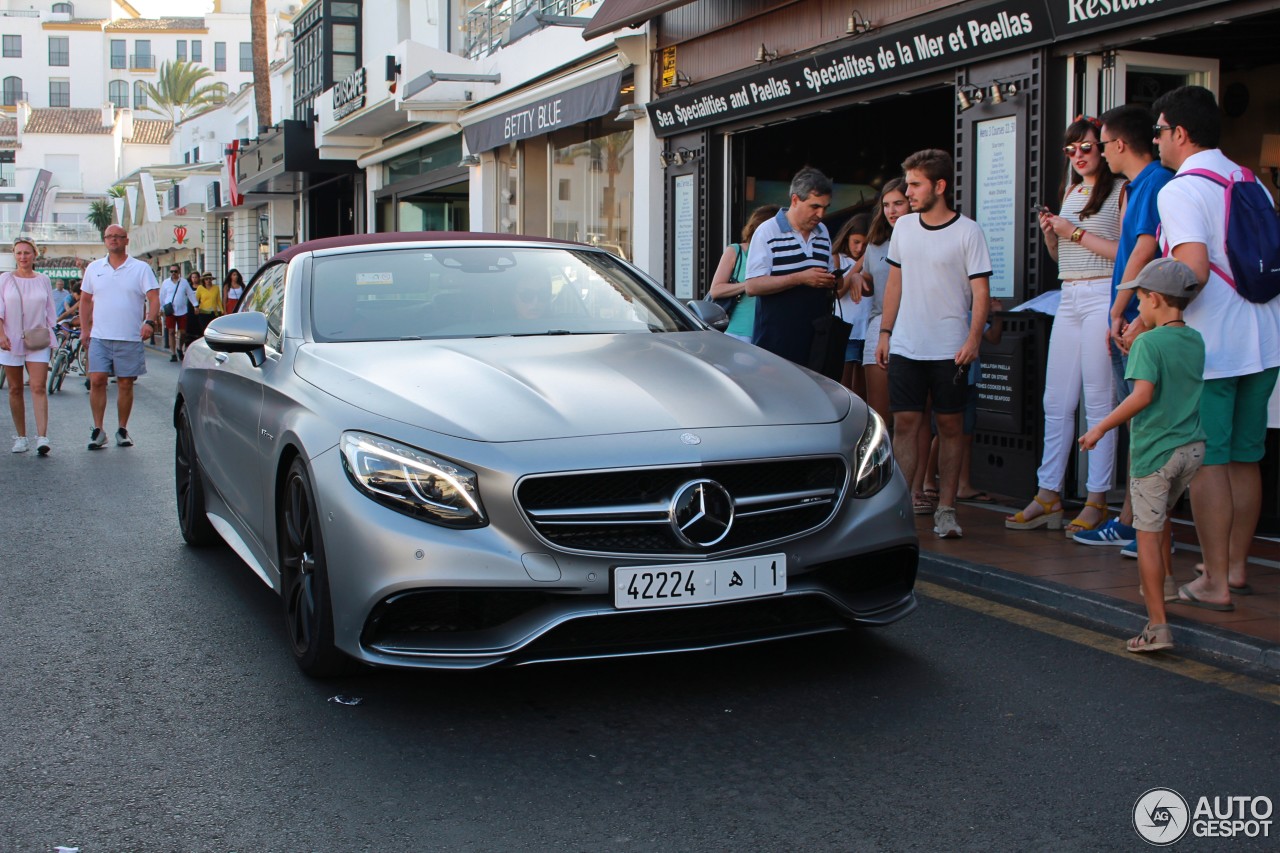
1166, 441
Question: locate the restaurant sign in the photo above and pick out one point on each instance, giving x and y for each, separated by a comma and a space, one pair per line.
349, 95
945, 42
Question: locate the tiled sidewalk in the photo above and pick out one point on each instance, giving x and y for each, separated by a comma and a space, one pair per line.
1101, 574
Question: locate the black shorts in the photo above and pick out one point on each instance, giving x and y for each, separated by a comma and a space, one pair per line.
912, 384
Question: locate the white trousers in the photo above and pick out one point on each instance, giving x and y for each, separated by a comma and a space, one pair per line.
1078, 357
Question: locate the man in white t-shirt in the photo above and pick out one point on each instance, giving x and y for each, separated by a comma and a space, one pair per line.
935, 308
119, 309
1241, 341
176, 293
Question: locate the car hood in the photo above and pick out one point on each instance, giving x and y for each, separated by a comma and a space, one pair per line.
527, 388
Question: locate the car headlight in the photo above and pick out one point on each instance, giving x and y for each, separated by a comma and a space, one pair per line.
411, 481
873, 457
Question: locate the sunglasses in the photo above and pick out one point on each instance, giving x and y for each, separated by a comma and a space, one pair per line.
962, 375
1083, 148
1157, 129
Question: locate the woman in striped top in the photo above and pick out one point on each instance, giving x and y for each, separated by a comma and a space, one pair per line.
1082, 239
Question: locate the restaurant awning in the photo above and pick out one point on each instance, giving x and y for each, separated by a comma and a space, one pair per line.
616, 14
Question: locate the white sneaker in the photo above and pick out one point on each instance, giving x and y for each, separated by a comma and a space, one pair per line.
20, 444
945, 524
42, 445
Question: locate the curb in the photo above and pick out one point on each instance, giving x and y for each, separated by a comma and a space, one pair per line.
1112, 612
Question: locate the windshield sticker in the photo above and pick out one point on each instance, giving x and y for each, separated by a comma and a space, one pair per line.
364, 278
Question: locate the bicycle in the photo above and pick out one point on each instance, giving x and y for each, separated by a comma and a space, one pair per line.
68, 354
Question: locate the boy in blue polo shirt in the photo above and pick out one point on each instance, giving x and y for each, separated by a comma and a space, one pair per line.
1166, 441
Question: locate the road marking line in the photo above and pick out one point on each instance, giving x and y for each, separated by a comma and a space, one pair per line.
1104, 643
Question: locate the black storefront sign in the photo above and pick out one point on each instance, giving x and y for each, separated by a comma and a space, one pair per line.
588, 101
941, 43
980, 33
1073, 18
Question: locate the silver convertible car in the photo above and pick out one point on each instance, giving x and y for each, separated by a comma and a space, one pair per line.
461, 450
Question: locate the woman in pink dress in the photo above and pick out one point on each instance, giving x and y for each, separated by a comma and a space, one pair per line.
26, 306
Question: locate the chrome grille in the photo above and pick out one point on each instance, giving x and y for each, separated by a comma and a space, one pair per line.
627, 512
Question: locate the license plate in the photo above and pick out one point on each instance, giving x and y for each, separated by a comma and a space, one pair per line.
636, 587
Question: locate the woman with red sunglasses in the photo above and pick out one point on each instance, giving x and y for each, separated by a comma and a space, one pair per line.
1082, 238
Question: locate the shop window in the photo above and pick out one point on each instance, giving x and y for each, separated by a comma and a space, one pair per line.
507, 179
595, 182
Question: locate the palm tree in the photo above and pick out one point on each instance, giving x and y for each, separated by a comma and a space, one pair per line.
101, 214
178, 91
261, 69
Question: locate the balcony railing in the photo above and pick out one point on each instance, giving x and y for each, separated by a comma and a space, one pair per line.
50, 232
487, 25
10, 98
142, 62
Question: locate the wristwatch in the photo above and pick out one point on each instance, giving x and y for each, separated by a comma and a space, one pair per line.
1077, 235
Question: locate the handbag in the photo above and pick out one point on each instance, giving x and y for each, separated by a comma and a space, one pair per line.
32, 339
167, 308
830, 340
728, 303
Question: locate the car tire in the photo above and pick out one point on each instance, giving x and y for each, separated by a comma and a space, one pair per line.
56, 371
188, 483
304, 579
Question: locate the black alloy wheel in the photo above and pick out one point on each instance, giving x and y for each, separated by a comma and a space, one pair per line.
188, 483
304, 580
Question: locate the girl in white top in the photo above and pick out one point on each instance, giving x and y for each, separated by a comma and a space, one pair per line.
26, 303
1083, 240
849, 245
875, 272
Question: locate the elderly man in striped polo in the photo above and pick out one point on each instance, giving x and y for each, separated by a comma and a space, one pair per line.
791, 269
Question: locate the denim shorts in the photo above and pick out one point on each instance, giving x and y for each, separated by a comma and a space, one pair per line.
853, 351
126, 359
1156, 494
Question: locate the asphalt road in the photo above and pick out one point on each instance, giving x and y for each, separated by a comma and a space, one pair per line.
148, 702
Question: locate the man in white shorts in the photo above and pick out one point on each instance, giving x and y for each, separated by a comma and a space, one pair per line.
119, 309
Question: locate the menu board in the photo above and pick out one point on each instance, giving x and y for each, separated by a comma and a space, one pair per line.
994, 186
684, 224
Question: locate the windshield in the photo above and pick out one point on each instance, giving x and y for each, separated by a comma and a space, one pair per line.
481, 291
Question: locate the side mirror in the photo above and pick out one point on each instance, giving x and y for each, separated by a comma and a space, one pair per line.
710, 313
245, 332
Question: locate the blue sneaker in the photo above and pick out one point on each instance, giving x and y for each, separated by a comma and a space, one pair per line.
1131, 551
1111, 533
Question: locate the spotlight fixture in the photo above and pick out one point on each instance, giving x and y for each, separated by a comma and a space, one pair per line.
1001, 91
683, 156
470, 160
630, 112
666, 158
967, 96
857, 25
763, 54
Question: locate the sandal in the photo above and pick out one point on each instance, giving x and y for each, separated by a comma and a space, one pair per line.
1050, 517
1154, 638
1076, 525
920, 503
